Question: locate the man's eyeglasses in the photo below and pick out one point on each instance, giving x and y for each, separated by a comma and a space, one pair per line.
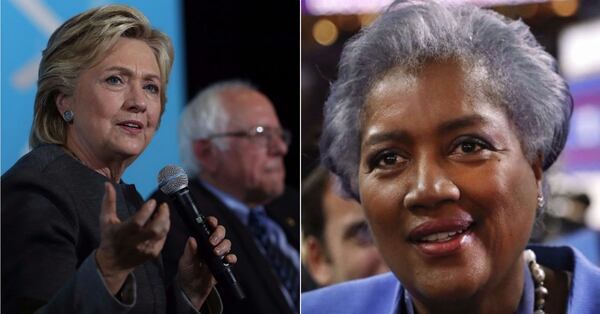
260, 134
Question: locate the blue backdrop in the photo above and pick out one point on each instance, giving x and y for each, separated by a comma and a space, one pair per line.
26, 26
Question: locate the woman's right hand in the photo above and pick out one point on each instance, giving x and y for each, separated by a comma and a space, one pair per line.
127, 244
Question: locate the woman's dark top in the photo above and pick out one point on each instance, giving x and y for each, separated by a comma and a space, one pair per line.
50, 229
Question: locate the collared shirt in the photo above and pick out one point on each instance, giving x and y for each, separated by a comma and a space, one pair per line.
275, 231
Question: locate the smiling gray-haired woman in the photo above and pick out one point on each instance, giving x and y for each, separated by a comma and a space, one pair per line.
441, 123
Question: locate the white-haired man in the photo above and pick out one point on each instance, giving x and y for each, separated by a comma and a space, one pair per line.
233, 146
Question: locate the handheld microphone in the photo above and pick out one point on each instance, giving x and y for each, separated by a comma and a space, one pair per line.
173, 181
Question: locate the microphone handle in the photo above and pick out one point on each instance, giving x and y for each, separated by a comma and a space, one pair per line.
201, 231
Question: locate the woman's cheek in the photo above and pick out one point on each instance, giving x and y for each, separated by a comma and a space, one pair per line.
382, 205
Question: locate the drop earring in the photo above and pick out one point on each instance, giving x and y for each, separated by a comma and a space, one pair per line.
540, 201
68, 116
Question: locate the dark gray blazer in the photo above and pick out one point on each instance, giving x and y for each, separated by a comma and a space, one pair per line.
50, 228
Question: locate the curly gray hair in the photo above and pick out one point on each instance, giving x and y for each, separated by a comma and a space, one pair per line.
410, 34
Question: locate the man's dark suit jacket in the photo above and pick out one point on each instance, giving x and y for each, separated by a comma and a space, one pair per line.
253, 270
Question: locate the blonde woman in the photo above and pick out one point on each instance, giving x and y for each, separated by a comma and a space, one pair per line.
75, 237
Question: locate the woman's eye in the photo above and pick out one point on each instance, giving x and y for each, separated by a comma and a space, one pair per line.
387, 159
470, 146
152, 88
113, 80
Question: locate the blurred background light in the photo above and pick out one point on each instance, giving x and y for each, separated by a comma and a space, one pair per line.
579, 47
329, 7
325, 32
565, 8
366, 19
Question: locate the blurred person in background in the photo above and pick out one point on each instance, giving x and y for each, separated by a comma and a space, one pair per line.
441, 123
574, 232
75, 237
233, 146
338, 245
566, 214
585, 240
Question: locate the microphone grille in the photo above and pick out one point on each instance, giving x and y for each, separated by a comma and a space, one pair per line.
171, 179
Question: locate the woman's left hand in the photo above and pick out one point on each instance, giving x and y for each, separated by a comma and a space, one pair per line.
193, 275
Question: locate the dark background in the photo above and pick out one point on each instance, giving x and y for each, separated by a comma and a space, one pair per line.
256, 41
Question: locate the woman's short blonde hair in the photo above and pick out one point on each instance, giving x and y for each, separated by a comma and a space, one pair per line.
79, 44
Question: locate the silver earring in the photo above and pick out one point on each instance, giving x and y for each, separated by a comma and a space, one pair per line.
540, 201
68, 116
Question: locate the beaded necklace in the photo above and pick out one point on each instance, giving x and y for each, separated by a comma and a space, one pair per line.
538, 274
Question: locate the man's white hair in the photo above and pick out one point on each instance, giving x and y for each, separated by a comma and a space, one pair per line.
202, 117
